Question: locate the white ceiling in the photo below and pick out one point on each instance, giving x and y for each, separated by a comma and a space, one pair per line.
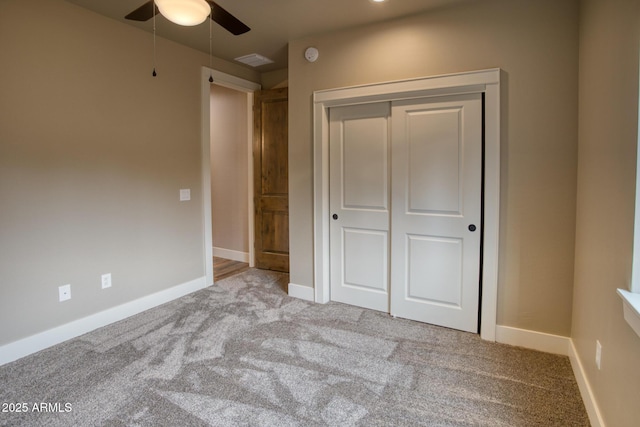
273, 22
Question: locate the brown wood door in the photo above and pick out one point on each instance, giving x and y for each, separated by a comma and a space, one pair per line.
271, 183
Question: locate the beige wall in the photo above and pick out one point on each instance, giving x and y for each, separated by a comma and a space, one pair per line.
536, 44
275, 79
229, 169
93, 152
609, 44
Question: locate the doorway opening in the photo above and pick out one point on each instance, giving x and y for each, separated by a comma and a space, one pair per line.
229, 152
230, 197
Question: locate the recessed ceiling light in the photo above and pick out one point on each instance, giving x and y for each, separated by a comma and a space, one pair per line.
378, 1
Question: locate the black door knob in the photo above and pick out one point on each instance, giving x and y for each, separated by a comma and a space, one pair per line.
472, 227
335, 216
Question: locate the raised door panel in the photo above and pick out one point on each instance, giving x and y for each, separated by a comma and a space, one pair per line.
274, 163
434, 167
434, 267
365, 254
365, 163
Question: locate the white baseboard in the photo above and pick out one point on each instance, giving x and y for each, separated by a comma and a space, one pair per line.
26, 346
231, 254
585, 388
540, 341
303, 292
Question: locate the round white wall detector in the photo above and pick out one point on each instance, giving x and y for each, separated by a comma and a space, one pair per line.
311, 54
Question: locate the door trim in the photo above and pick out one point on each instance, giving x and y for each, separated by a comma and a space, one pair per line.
483, 81
231, 82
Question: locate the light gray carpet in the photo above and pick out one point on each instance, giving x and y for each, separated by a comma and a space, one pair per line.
243, 353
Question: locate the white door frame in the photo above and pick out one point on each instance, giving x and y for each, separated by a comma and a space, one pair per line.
231, 82
483, 81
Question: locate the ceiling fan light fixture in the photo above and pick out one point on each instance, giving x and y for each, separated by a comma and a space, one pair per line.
184, 12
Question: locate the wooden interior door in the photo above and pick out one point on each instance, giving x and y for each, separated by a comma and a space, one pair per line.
270, 175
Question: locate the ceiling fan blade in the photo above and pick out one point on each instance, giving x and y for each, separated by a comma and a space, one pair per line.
143, 13
227, 20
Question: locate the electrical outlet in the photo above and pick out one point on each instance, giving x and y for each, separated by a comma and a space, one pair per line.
185, 194
64, 292
106, 281
598, 353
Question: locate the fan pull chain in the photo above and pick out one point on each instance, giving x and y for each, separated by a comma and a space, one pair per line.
210, 44
154, 40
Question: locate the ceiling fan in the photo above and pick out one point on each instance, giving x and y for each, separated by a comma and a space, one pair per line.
218, 15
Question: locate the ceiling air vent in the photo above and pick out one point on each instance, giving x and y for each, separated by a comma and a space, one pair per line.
254, 60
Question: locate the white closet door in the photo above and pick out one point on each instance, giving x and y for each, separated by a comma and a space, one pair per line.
436, 210
359, 205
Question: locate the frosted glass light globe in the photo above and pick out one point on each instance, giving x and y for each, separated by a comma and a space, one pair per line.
184, 12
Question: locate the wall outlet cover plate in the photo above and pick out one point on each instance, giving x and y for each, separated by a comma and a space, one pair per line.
64, 293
